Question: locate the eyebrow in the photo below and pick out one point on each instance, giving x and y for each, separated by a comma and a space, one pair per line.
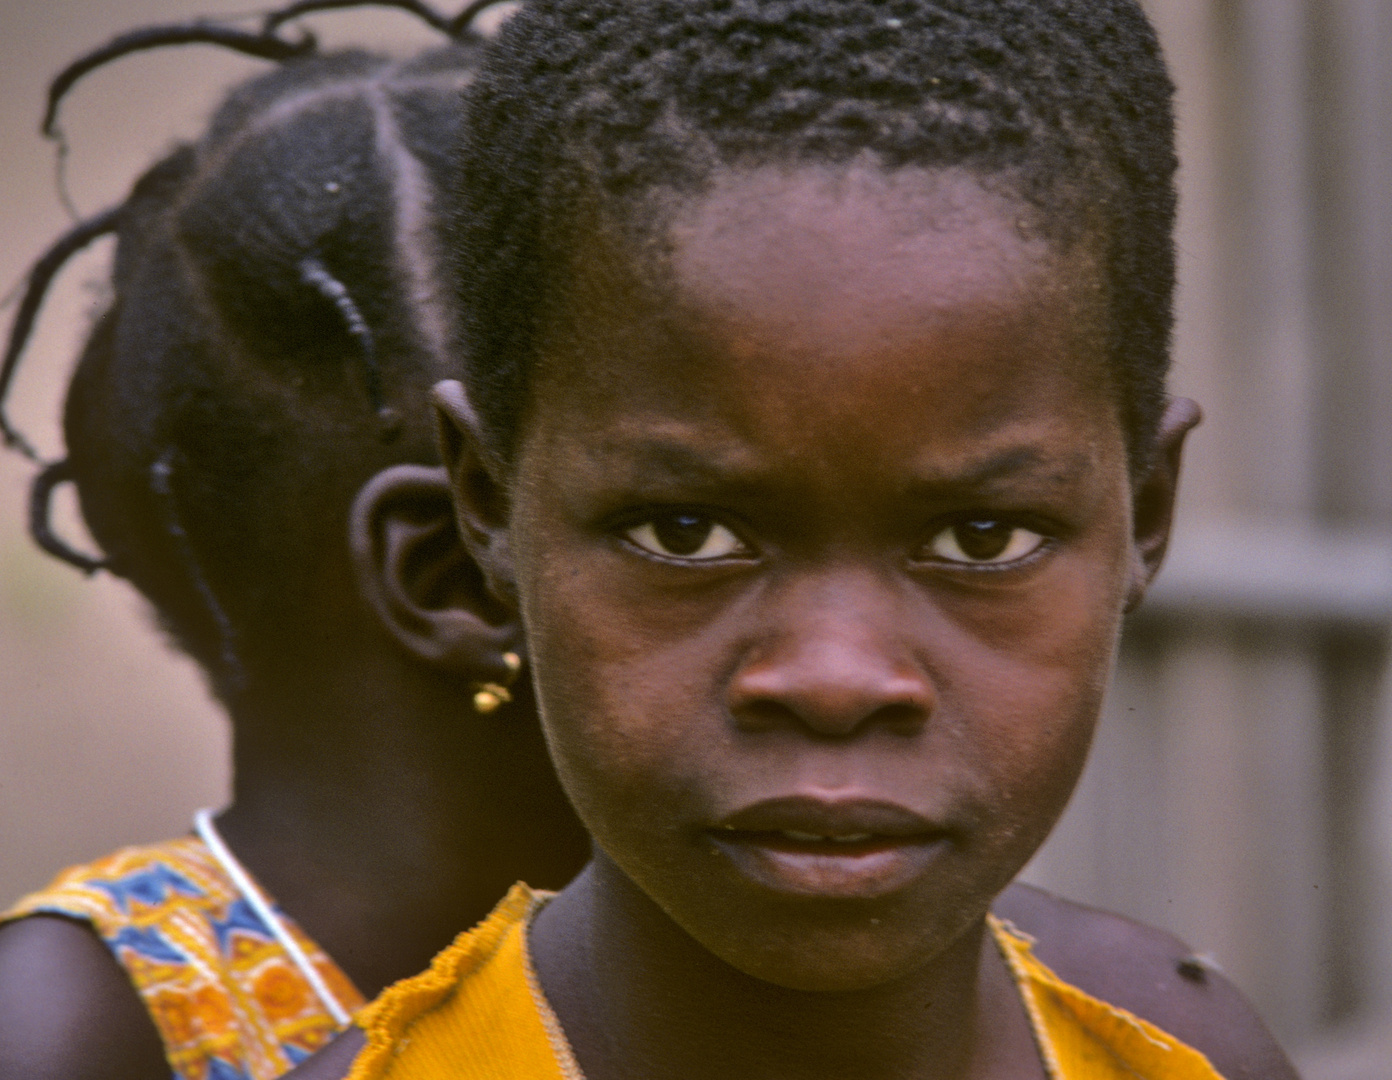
656, 461
1013, 465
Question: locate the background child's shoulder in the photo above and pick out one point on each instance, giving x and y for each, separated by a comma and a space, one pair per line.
68, 1009
1152, 974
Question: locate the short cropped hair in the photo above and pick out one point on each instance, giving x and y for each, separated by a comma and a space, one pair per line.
1068, 100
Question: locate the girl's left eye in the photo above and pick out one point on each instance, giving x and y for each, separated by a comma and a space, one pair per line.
686, 536
984, 543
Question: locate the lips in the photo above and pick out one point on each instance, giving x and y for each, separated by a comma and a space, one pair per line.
833, 848
814, 838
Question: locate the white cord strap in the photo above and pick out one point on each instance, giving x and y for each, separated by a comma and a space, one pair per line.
203, 826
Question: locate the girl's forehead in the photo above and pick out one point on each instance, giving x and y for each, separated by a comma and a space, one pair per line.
826, 256
852, 239
858, 194
775, 290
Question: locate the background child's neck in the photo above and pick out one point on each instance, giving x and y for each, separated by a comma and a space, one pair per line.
384, 815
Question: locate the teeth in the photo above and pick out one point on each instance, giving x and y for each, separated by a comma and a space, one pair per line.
817, 838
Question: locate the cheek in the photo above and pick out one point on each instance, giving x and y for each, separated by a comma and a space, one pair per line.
621, 704
1045, 670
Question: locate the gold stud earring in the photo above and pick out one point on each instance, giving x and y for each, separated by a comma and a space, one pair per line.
490, 696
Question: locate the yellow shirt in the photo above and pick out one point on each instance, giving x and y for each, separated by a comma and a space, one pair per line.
478, 1013
228, 1001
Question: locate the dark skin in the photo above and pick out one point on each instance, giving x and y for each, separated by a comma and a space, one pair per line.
822, 526
371, 801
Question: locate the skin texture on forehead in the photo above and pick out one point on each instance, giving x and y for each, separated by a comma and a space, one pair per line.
774, 231
791, 217
835, 249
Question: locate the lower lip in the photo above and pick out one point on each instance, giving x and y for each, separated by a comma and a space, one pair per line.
858, 871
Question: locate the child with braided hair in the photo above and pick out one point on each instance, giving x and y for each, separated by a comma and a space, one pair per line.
248, 434
811, 414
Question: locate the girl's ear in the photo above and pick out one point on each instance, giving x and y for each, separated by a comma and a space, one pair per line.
1154, 496
417, 575
480, 494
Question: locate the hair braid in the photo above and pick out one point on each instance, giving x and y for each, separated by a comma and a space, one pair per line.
277, 318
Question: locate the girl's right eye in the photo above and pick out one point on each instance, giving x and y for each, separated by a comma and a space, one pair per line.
680, 535
985, 543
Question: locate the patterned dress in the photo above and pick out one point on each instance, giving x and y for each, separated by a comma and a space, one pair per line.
228, 1001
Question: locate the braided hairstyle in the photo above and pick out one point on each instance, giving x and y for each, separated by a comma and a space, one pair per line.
602, 103
277, 319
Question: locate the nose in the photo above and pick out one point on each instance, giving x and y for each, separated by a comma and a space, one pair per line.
834, 658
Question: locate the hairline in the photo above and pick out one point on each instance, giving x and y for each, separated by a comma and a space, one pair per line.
636, 225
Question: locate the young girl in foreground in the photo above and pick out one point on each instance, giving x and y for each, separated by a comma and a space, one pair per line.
249, 434
813, 418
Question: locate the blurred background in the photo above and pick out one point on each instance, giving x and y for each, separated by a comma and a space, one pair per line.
1241, 788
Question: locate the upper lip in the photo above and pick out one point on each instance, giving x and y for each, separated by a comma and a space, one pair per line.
828, 816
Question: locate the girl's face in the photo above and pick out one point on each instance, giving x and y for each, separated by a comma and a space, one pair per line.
822, 530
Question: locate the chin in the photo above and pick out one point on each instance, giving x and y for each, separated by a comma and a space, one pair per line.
846, 959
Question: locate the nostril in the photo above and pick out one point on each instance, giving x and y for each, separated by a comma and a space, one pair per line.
902, 717
831, 713
765, 714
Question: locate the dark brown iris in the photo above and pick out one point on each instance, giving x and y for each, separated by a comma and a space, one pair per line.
682, 534
983, 539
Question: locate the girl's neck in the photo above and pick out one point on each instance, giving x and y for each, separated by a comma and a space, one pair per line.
384, 824
638, 997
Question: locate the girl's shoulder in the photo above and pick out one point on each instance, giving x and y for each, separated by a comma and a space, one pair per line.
1151, 974
67, 1008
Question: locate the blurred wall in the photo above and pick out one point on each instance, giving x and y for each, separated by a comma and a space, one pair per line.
1240, 792
1242, 776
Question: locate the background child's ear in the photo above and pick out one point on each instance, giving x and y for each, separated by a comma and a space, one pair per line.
480, 494
418, 576
1154, 496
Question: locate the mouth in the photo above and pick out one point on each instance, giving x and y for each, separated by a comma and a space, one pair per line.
836, 849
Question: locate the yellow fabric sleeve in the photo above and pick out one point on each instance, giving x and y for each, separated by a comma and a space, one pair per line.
1082, 1038
472, 1015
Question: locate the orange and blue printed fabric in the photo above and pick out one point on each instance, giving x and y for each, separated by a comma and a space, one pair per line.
227, 999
